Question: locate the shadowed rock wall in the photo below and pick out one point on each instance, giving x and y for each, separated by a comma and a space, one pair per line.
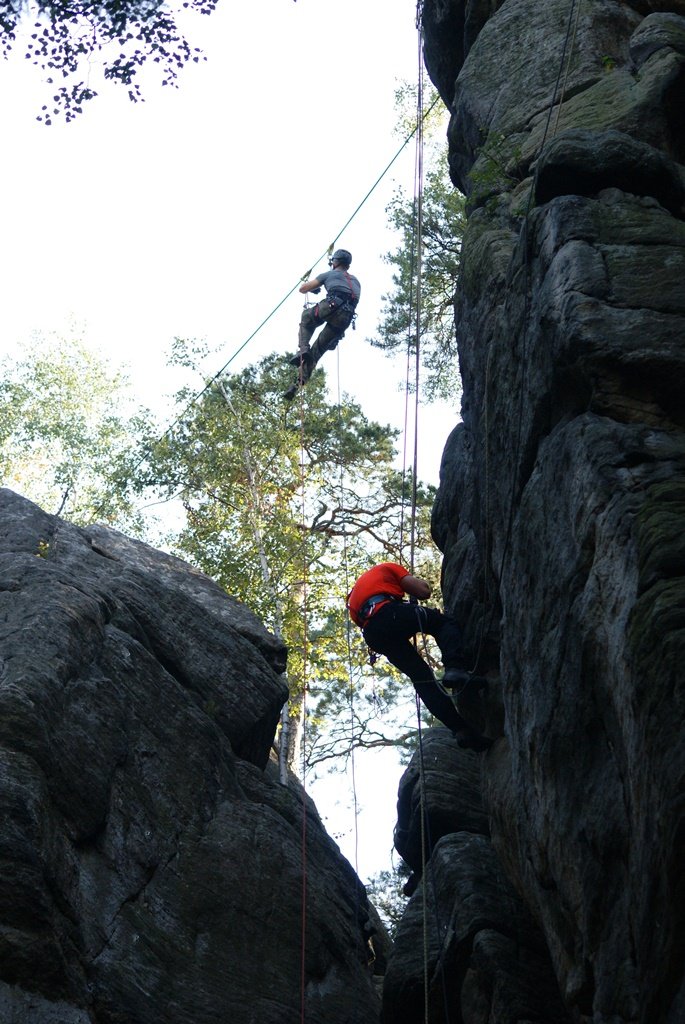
151, 863
561, 510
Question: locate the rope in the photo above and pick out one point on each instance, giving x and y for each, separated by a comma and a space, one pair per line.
424, 887
426, 845
326, 252
198, 395
426, 863
417, 366
303, 708
348, 636
568, 67
418, 202
407, 385
416, 247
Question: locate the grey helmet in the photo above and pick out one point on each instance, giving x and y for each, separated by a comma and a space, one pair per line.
341, 256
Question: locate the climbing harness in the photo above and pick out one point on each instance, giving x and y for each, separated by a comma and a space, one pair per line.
343, 303
361, 616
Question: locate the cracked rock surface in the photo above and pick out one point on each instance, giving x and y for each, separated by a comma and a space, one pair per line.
561, 516
151, 862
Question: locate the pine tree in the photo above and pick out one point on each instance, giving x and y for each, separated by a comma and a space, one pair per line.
284, 513
443, 221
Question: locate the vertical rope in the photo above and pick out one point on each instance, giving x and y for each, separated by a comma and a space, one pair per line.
427, 862
407, 381
413, 318
419, 267
348, 630
405, 431
303, 971
426, 844
568, 67
417, 369
424, 866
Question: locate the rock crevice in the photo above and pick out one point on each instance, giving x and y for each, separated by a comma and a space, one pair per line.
560, 510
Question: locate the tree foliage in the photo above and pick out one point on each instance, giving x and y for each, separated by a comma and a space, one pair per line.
385, 891
283, 504
442, 224
67, 440
285, 507
66, 38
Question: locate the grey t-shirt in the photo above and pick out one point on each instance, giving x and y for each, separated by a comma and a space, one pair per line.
340, 281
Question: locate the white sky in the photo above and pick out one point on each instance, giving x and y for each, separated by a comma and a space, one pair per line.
194, 213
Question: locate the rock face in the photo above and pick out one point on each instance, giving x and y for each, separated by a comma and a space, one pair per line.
561, 515
152, 864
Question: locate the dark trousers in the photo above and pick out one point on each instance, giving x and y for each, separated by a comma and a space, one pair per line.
335, 322
389, 632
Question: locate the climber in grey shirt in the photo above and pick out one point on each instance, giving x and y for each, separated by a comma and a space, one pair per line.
335, 313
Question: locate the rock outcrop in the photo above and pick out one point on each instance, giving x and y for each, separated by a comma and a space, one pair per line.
152, 864
561, 515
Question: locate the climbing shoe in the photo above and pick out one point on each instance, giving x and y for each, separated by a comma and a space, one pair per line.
469, 739
458, 679
411, 885
306, 358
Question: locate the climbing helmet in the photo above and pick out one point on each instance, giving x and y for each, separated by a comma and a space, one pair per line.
341, 256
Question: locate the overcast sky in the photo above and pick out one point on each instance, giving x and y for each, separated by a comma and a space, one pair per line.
195, 213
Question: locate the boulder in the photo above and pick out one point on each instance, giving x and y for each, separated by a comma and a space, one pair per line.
154, 869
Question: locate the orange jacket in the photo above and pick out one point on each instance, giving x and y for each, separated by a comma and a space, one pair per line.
382, 579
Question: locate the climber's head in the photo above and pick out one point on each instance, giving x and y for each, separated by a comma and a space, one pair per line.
340, 258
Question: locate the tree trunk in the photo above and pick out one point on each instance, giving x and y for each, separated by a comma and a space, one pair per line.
288, 757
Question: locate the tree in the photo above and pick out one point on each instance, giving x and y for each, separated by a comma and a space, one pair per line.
67, 440
285, 512
67, 37
386, 892
443, 219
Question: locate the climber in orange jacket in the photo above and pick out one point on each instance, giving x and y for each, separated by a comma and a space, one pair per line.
376, 604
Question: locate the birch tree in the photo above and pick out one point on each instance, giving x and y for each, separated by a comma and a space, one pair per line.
70, 432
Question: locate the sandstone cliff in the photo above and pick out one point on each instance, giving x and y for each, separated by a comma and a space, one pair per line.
561, 515
152, 864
